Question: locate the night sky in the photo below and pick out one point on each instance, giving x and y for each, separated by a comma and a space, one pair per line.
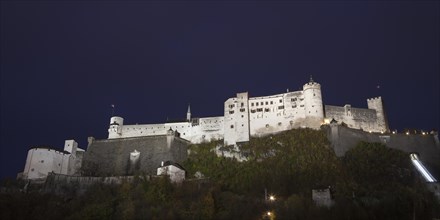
63, 64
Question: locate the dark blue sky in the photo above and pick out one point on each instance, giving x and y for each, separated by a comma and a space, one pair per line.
64, 63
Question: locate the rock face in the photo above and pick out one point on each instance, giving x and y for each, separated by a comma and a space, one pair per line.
127, 156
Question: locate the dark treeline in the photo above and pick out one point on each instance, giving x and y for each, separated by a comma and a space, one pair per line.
370, 182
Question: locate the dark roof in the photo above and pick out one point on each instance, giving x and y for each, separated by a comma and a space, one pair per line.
176, 120
168, 163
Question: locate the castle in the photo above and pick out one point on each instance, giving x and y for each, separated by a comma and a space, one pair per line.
246, 116
132, 148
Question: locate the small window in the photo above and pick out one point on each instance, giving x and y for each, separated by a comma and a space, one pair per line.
242, 104
231, 112
252, 104
279, 123
267, 110
281, 107
42, 161
32, 169
232, 126
242, 116
267, 125
281, 101
253, 111
256, 104
271, 102
242, 109
262, 103
267, 103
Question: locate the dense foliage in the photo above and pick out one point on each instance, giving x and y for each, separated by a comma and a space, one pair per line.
370, 182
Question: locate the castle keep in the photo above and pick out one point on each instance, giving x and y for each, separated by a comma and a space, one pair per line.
246, 116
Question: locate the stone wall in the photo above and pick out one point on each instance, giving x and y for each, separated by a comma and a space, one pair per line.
344, 138
111, 157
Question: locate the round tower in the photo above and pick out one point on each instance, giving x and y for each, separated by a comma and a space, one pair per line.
314, 110
115, 129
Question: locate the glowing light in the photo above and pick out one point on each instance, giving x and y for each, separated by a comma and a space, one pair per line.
269, 213
428, 177
272, 198
407, 133
394, 132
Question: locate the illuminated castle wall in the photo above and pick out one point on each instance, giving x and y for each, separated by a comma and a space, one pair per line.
246, 116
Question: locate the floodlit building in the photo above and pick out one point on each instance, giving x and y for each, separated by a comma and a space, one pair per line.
174, 170
246, 116
41, 160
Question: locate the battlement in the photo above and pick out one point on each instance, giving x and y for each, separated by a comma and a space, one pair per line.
378, 98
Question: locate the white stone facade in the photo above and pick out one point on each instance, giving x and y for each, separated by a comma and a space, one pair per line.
175, 172
258, 116
41, 161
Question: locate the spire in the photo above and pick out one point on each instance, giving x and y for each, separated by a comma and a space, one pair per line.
188, 113
311, 79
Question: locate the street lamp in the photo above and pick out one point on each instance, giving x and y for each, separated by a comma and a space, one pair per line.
272, 198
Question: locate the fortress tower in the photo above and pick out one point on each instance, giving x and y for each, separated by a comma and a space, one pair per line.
237, 119
188, 113
382, 121
314, 111
115, 129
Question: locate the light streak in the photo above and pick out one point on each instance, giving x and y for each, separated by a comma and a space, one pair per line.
428, 177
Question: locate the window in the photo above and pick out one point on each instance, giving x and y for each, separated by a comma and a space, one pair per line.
301, 106
281, 107
259, 109
281, 101
231, 112
267, 125
256, 104
232, 126
267, 103
242, 104
252, 104
271, 102
242, 109
253, 111
262, 103
242, 116
267, 110
279, 123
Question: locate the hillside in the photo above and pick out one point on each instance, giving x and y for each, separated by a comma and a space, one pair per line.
369, 182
